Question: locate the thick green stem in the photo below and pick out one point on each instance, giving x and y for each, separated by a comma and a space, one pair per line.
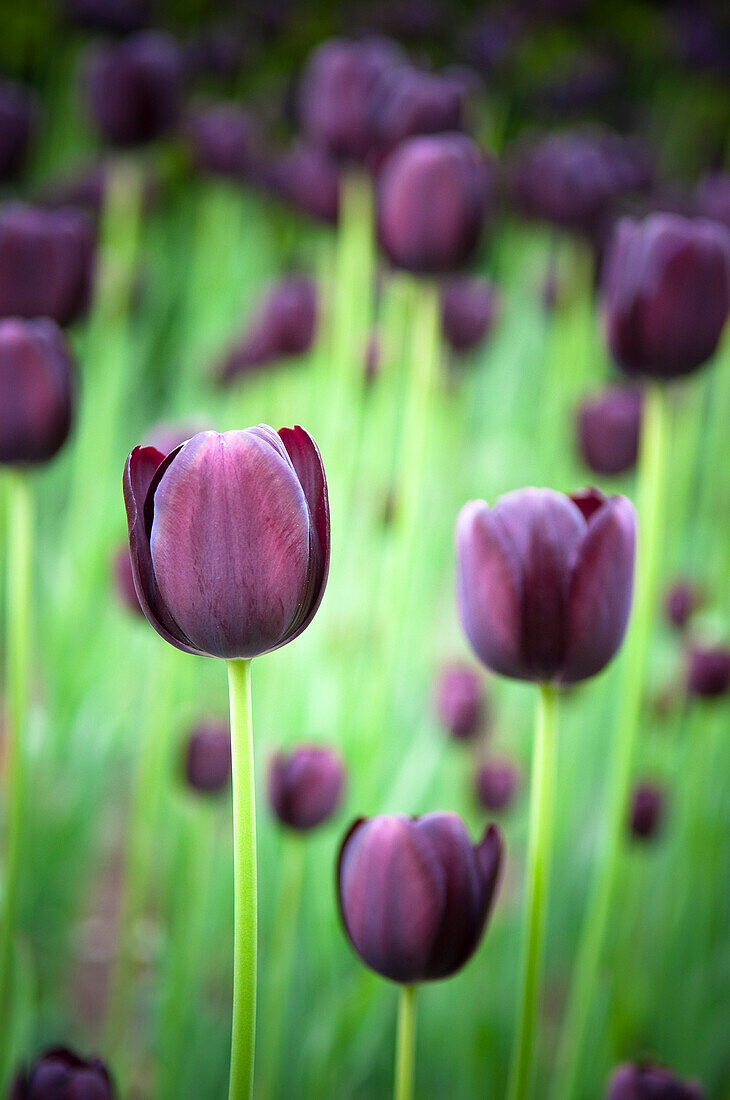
19, 520
652, 460
244, 873
542, 805
405, 1044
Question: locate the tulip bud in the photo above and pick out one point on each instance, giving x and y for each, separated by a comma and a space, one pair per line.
309, 179
17, 123
59, 1074
647, 811
222, 139
230, 537
36, 391
208, 758
432, 198
406, 102
680, 603
415, 895
305, 785
708, 674
667, 294
133, 88
459, 701
650, 1082
713, 198
608, 426
496, 784
124, 581
284, 325
468, 310
46, 260
544, 582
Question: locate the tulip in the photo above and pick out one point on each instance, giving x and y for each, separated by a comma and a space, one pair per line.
124, 581
468, 310
647, 811
208, 758
608, 431
681, 601
17, 125
222, 138
459, 701
37, 377
59, 1074
650, 1082
708, 673
133, 88
667, 294
713, 198
432, 198
496, 784
305, 785
46, 260
406, 102
309, 178
545, 582
284, 325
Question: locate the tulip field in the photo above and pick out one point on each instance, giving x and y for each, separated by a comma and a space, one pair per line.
364, 551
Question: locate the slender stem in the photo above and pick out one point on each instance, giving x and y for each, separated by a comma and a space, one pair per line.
19, 520
652, 460
244, 876
405, 1044
542, 804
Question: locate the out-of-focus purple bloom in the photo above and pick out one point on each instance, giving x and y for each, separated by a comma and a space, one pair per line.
544, 582
117, 17
645, 1081
490, 43
59, 1074
124, 580
284, 325
469, 307
713, 198
459, 700
496, 784
208, 758
215, 50
223, 140
608, 425
17, 124
700, 39
680, 602
134, 87
415, 895
309, 179
36, 391
305, 785
432, 197
647, 810
46, 263
405, 102
230, 539
708, 671
667, 294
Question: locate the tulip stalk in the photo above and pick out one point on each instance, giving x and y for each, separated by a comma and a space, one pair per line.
542, 814
651, 489
243, 1035
405, 1045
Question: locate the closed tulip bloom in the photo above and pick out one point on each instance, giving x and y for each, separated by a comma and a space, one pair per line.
415, 894
305, 785
667, 294
208, 758
459, 701
124, 581
17, 123
223, 140
133, 88
647, 810
46, 263
608, 426
284, 325
37, 377
708, 673
309, 179
680, 602
649, 1082
432, 198
229, 536
497, 781
469, 307
59, 1074
406, 102
544, 582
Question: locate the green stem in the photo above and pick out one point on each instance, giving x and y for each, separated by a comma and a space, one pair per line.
405, 1044
542, 805
651, 480
19, 521
244, 874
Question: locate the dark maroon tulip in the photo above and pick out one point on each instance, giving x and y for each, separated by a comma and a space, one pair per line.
46, 263
407, 101
305, 785
608, 426
309, 179
433, 194
415, 894
230, 539
124, 580
223, 140
284, 325
650, 1082
667, 293
36, 390
708, 672
497, 781
208, 758
713, 198
647, 811
17, 123
469, 306
59, 1074
544, 582
680, 603
134, 88
117, 17
335, 94
459, 701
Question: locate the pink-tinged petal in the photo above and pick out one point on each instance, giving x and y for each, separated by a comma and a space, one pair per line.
600, 591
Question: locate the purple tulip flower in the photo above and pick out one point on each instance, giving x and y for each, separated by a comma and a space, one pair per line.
406, 102
459, 701
650, 1082
608, 426
647, 811
59, 1074
680, 603
496, 784
230, 539
223, 140
469, 306
415, 895
305, 785
208, 758
37, 375
17, 124
284, 325
708, 672
308, 178
544, 582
